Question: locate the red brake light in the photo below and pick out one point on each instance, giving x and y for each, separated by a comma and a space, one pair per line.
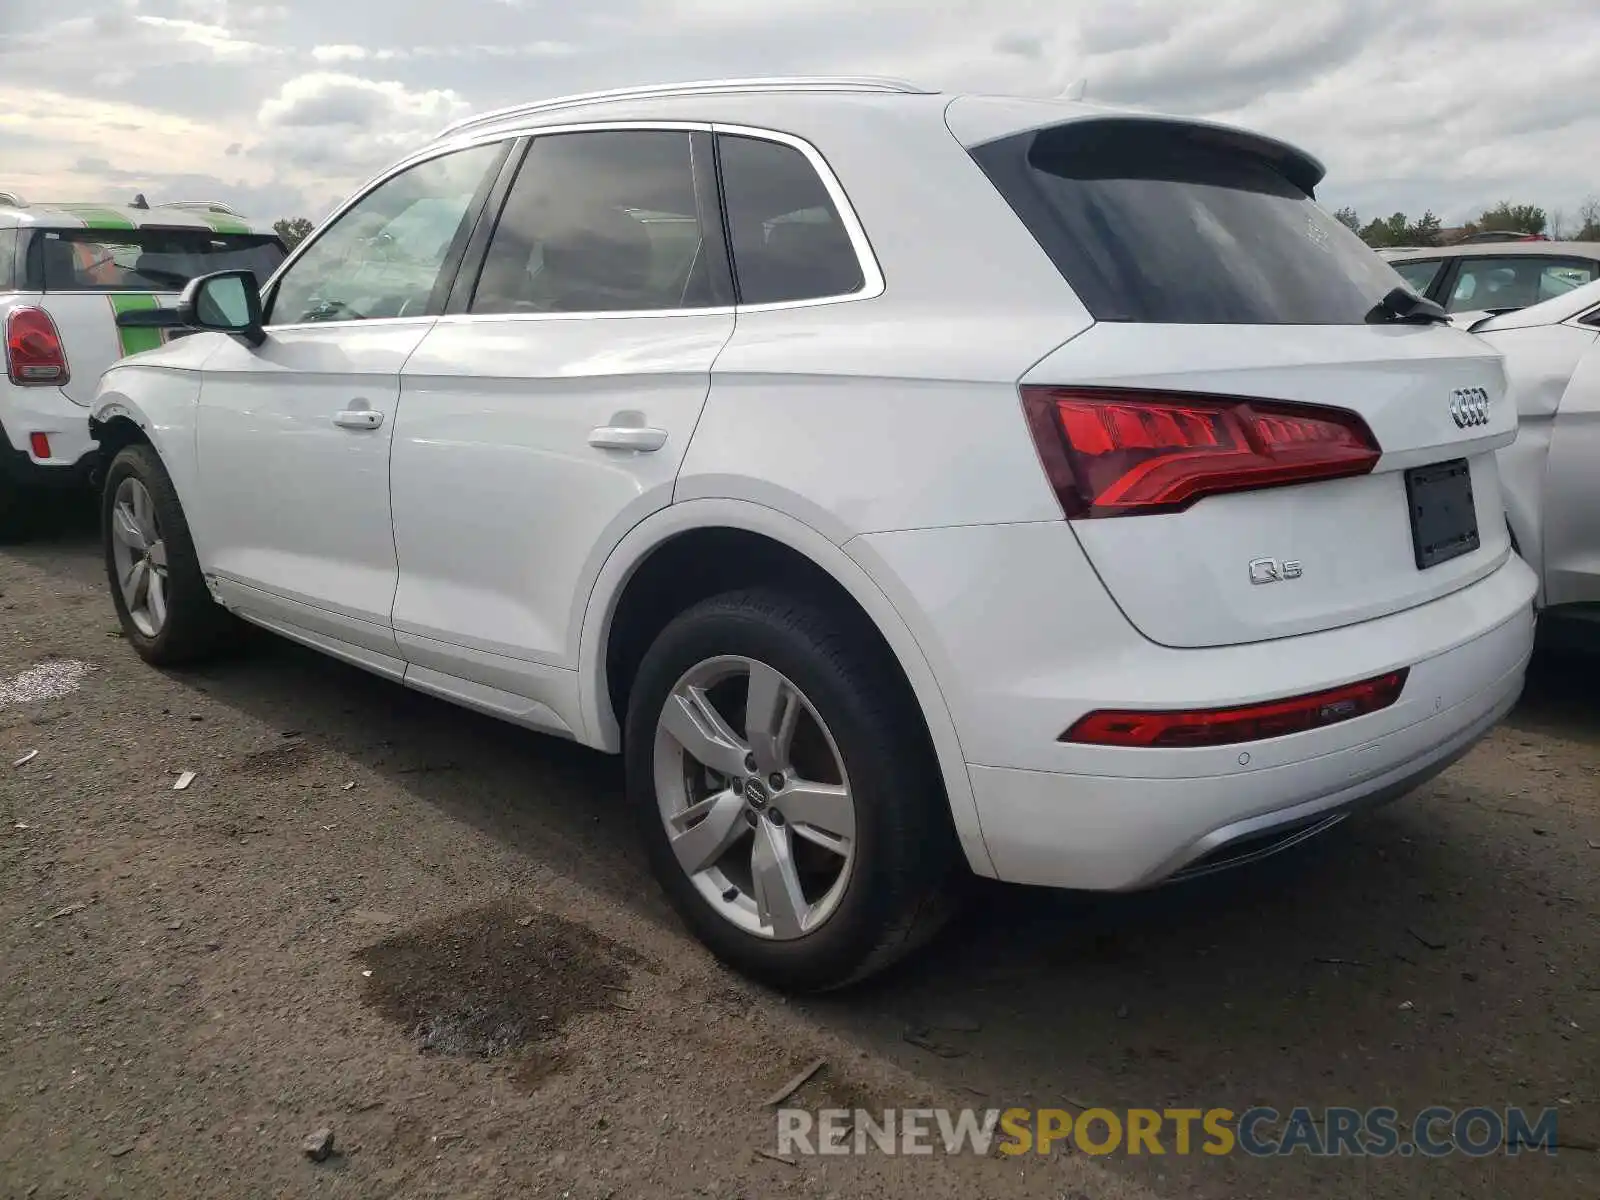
1114, 453
39, 443
1250, 723
34, 354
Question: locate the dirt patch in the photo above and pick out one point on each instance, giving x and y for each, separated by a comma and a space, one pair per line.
488, 983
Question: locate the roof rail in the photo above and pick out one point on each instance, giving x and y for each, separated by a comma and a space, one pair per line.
216, 206
705, 87
12, 200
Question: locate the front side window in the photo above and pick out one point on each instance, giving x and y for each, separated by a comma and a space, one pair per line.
788, 240
1509, 283
148, 259
599, 222
1419, 274
384, 254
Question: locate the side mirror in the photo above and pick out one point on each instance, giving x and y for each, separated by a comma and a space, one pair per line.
228, 302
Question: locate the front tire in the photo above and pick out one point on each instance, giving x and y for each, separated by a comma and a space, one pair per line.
161, 598
786, 791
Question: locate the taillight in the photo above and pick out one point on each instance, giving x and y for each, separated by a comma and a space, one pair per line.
34, 354
1113, 453
1248, 723
39, 444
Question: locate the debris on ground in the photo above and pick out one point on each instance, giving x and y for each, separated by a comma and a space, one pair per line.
317, 1146
783, 1158
364, 916
76, 906
921, 1037
184, 781
1406, 1006
1431, 940
121, 1150
26, 758
795, 1084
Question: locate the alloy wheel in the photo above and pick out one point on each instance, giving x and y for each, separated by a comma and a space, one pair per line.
140, 556
754, 796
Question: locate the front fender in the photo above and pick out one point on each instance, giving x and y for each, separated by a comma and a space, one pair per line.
162, 404
600, 722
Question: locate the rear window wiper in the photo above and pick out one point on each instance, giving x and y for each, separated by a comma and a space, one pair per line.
1402, 305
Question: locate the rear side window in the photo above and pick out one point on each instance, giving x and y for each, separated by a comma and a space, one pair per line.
1171, 225
1483, 283
1419, 274
599, 222
788, 240
146, 259
8, 260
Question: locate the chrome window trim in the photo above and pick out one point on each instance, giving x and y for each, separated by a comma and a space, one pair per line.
873, 283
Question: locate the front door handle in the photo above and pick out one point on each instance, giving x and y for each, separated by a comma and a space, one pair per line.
358, 418
644, 438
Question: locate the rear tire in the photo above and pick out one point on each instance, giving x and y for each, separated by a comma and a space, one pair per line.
842, 703
161, 597
18, 507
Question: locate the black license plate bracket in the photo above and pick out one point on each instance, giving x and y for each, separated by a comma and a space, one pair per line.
1444, 517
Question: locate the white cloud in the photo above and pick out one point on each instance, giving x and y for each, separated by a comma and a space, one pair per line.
1448, 104
337, 54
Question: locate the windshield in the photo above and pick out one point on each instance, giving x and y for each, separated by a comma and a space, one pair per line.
144, 260
1173, 225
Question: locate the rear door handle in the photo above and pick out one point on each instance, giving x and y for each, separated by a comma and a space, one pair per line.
358, 418
644, 438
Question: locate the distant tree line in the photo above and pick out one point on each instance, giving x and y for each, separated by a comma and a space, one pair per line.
293, 230
1505, 217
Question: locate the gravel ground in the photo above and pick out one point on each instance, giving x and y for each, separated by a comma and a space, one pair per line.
430, 934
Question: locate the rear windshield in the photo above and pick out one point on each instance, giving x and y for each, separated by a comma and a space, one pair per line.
1172, 225
144, 260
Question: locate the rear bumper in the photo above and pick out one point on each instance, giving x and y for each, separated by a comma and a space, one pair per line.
1024, 641
1124, 832
25, 411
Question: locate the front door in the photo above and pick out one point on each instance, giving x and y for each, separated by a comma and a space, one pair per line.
551, 413
294, 435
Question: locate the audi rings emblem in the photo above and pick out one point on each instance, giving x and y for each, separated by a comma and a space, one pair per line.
1469, 407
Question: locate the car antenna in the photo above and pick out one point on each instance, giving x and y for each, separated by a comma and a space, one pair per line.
1074, 90
139, 201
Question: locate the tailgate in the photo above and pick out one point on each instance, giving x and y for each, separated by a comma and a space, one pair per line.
1271, 562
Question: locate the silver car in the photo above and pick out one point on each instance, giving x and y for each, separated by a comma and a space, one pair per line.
1551, 474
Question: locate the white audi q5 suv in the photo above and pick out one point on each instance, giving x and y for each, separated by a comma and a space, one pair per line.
903, 483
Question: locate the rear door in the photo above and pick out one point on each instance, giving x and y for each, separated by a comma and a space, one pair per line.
1246, 448
548, 411
92, 273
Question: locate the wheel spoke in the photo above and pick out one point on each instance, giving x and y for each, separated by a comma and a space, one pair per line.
702, 833
133, 585
779, 900
126, 528
144, 513
771, 710
158, 555
699, 728
820, 812
156, 596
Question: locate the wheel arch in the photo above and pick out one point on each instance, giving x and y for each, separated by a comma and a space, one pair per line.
676, 551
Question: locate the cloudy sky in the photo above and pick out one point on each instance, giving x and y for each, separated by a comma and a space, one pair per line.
282, 108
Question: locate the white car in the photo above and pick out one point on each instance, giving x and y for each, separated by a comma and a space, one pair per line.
1142, 526
1477, 279
1552, 470
68, 272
